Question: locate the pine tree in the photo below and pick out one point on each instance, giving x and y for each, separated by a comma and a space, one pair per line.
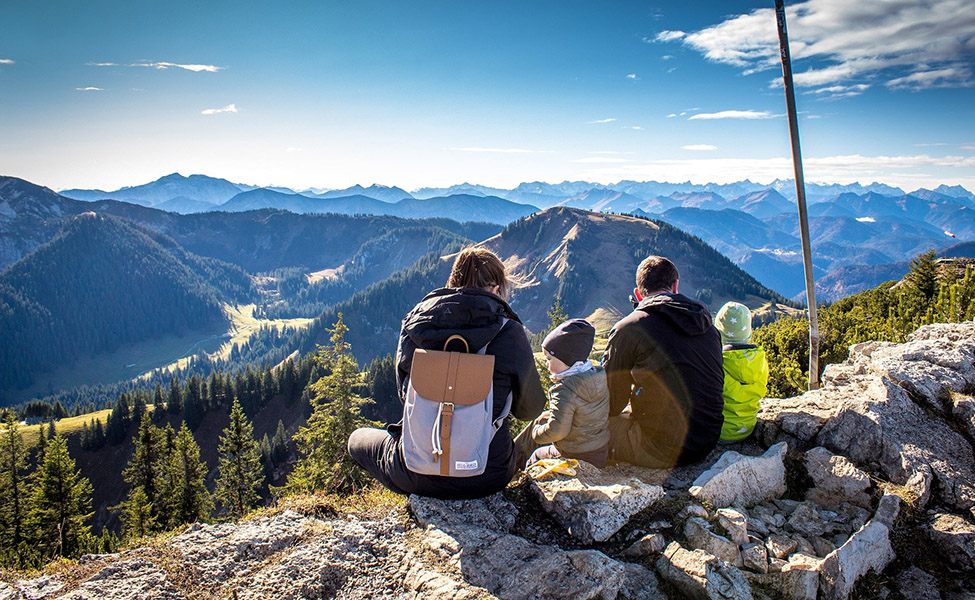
145, 474
241, 475
41, 447
188, 500
137, 514
194, 408
158, 405
60, 503
924, 274
14, 499
174, 403
279, 444
324, 462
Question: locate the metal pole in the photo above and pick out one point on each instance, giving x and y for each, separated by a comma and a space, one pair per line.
790, 100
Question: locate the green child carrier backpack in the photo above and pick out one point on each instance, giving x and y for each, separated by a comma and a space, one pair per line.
447, 424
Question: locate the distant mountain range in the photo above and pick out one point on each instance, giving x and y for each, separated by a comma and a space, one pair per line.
753, 224
304, 255
586, 259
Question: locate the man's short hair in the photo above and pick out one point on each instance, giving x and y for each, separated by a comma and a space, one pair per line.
655, 274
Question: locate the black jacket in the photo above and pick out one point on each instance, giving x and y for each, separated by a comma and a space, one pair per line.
478, 316
665, 359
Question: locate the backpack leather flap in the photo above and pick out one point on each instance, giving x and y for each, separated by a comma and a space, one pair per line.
454, 377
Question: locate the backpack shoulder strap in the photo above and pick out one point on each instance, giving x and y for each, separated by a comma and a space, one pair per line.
507, 402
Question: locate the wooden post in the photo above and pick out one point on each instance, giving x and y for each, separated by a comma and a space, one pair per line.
790, 100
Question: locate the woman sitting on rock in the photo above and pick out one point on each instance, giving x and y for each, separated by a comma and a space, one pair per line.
471, 306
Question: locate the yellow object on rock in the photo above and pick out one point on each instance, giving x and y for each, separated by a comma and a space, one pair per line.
563, 466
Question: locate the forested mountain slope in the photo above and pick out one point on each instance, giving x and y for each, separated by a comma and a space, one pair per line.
100, 283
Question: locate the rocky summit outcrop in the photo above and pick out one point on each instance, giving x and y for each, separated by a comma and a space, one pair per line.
862, 489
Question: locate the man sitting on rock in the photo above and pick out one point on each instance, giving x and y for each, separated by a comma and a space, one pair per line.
663, 363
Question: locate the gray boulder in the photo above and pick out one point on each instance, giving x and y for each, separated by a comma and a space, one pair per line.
916, 584
133, 579
954, 537
797, 579
504, 564
868, 550
594, 505
836, 479
736, 479
699, 536
702, 576
876, 409
735, 523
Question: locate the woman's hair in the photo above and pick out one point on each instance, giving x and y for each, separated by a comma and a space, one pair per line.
478, 268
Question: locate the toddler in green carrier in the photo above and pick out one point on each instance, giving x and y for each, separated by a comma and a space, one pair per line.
745, 371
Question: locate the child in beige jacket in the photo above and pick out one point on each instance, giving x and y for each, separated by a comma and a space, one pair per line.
576, 423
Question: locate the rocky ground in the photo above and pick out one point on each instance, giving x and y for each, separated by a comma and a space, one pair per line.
862, 489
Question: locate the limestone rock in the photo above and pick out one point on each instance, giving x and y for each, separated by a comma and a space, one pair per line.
653, 543
699, 536
39, 588
780, 546
8, 592
493, 512
217, 553
798, 579
507, 565
822, 546
755, 557
693, 510
746, 480
836, 479
955, 538
134, 579
594, 505
806, 520
735, 523
916, 584
639, 583
868, 410
868, 550
702, 576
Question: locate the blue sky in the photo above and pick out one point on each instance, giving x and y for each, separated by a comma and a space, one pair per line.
328, 94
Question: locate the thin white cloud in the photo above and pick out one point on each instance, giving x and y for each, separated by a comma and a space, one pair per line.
637, 128
866, 219
230, 108
669, 36
189, 67
631, 76
609, 120
101, 64
967, 147
703, 147
671, 115
955, 76
833, 92
925, 145
90, 88
909, 44
601, 160
500, 150
734, 114
608, 152
6, 61
667, 57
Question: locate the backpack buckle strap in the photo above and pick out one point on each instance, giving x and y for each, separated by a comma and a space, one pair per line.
443, 422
